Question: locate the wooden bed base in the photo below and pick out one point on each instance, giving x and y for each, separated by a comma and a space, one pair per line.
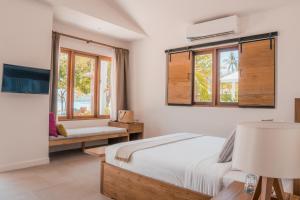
121, 184
297, 187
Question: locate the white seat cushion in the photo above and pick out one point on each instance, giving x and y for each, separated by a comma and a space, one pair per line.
90, 131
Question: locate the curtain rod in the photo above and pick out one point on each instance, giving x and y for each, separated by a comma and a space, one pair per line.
88, 41
239, 40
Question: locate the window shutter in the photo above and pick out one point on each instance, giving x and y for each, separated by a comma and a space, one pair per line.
257, 74
180, 78
297, 110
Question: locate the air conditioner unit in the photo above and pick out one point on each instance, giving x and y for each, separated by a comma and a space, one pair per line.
214, 28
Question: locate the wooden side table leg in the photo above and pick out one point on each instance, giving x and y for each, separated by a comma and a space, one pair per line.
278, 189
257, 190
101, 175
266, 189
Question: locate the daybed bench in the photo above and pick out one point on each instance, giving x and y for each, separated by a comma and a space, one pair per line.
83, 135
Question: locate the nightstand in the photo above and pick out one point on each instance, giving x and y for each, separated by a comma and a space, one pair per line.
134, 129
235, 191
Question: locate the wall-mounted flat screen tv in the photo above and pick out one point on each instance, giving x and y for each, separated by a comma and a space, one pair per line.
20, 79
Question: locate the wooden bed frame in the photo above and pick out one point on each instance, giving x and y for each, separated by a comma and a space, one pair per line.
121, 184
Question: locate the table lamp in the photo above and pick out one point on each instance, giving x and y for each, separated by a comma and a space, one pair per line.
270, 150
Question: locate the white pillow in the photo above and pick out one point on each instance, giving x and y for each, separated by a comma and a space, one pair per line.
227, 150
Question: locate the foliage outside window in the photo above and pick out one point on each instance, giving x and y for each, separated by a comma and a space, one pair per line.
216, 80
62, 84
203, 77
105, 87
84, 85
228, 76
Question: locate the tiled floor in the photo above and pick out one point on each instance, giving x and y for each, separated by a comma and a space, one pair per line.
71, 175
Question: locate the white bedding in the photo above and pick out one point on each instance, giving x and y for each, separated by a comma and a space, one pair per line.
190, 164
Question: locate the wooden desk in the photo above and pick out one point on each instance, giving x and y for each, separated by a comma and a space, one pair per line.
235, 191
135, 129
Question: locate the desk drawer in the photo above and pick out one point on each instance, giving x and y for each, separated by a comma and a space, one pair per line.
131, 127
135, 128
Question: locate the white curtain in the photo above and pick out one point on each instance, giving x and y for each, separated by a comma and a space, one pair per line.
113, 111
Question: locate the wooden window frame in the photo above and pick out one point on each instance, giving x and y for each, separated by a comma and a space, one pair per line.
70, 86
215, 76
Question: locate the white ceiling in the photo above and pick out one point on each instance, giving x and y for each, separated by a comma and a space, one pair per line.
131, 19
95, 24
100, 16
195, 10
149, 12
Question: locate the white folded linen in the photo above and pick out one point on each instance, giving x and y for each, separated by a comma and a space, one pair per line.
124, 153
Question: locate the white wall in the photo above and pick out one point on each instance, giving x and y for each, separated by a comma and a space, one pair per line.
25, 39
148, 76
72, 30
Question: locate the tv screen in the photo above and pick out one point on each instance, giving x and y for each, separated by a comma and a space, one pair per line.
19, 79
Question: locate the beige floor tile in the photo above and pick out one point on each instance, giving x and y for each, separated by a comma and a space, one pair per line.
69, 190
25, 196
70, 175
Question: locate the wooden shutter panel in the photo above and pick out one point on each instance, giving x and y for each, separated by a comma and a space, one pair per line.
180, 78
297, 110
257, 74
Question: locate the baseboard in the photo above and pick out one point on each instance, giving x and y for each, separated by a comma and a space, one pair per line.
25, 164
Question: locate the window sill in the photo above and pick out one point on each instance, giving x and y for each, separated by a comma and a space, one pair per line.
83, 118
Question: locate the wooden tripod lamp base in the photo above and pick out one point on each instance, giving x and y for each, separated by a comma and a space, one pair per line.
264, 188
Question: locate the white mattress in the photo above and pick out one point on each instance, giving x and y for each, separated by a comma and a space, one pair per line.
190, 163
90, 131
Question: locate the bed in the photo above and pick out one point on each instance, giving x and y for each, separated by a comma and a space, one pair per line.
186, 168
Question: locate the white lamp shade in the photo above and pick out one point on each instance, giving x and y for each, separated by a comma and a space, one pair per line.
268, 149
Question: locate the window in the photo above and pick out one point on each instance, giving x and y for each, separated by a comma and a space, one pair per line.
216, 77
240, 75
105, 87
62, 84
228, 75
84, 85
84, 89
203, 90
